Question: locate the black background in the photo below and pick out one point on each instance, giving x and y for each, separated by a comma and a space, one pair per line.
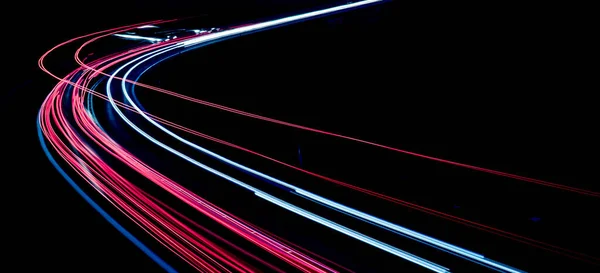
501, 86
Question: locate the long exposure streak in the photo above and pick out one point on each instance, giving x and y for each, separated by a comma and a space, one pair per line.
82, 150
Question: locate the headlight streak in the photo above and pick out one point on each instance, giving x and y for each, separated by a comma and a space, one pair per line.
100, 169
244, 30
104, 174
136, 37
509, 235
205, 230
309, 215
512, 236
272, 243
51, 113
502, 233
240, 31
159, 220
313, 197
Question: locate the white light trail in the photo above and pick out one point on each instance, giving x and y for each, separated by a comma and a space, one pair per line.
137, 37
348, 210
352, 233
353, 212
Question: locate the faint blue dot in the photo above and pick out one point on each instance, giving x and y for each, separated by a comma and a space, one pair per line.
535, 219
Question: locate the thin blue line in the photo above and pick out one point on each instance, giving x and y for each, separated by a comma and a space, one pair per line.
104, 214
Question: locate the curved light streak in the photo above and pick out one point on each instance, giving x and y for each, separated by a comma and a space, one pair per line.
84, 160
473, 224
311, 196
354, 234
512, 236
164, 265
81, 87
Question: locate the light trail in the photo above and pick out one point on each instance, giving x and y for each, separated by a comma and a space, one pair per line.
69, 134
101, 176
512, 236
366, 239
137, 37
248, 29
147, 26
311, 196
127, 197
102, 212
480, 226
96, 166
262, 26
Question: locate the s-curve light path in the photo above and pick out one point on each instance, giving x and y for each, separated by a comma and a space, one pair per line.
73, 132
155, 218
76, 137
306, 194
311, 196
70, 130
266, 25
366, 239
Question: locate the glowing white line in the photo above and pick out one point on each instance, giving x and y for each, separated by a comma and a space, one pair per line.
356, 213
375, 243
136, 37
147, 26
285, 20
259, 193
